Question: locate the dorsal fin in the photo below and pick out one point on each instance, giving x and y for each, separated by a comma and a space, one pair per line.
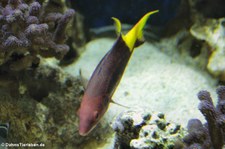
117, 25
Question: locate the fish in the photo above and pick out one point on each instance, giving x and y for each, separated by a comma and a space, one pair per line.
107, 75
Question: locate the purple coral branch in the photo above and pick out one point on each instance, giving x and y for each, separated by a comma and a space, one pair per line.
221, 107
34, 9
36, 29
196, 133
59, 35
26, 30
211, 134
212, 116
221, 99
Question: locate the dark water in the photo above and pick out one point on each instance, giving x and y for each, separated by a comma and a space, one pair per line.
98, 12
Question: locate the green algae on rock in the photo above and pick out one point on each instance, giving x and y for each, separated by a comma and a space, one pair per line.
44, 108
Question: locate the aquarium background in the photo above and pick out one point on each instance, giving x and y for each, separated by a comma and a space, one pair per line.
171, 95
99, 12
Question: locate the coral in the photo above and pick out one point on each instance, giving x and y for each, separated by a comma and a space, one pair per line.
212, 31
142, 130
28, 31
210, 135
197, 135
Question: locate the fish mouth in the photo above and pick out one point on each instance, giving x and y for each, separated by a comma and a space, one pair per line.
84, 132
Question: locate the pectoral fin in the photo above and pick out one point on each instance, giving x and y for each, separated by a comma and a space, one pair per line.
83, 80
112, 101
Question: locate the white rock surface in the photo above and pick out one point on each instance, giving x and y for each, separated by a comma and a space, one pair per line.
152, 80
213, 32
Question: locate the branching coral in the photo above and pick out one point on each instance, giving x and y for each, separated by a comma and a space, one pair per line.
210, 135
27, 31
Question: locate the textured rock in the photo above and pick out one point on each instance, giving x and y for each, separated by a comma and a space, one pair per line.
138, 129
212, 31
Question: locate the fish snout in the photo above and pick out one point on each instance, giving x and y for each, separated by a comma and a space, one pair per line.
85, 128
83, 131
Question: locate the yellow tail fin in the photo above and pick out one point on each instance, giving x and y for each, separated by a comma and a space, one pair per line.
136, 33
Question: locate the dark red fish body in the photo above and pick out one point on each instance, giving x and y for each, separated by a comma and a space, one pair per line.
105, 79
109, 71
